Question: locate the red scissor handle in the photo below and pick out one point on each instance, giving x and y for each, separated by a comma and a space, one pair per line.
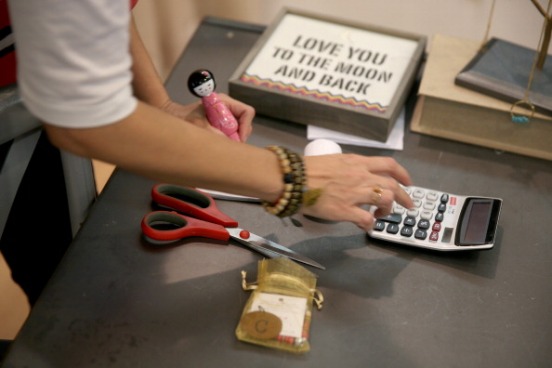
192, 202
165, 226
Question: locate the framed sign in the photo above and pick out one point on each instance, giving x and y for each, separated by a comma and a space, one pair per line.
316, 70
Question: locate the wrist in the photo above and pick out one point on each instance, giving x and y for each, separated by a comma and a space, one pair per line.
293, 177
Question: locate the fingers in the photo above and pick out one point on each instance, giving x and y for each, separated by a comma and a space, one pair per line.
384, 199
380, 198
384, 194
195, 114
362, 218
350, 182
340, 212
402, 198
393, 192
388, 174
243, 113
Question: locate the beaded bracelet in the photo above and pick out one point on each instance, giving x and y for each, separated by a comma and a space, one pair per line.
294, 183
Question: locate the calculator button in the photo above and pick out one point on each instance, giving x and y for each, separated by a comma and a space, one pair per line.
407, 231
442, 207
439, 217
444, 198
430, 206
417, 203
379, 225
432, 196
420, 234
426, 215
434, 236
398, 209
409, 221
436, 226
412, 213
418, 193
393, 218
423, 224
392, 228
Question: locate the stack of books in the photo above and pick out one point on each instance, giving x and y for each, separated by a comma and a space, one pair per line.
446, 110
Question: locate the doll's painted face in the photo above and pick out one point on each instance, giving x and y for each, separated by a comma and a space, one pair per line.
205, 89
201, 83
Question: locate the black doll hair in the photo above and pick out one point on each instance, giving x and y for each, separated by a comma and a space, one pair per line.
199, 77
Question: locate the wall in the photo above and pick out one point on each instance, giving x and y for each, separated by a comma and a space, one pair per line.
166, 25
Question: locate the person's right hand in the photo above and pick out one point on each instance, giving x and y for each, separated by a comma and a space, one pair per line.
350, 181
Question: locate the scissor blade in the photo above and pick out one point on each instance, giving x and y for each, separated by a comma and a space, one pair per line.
268, 247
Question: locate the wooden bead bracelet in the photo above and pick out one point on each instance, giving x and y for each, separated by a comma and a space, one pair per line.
294, 179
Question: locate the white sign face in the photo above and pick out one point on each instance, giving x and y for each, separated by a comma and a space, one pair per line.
332, 62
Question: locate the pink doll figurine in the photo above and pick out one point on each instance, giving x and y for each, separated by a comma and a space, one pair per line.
202, 84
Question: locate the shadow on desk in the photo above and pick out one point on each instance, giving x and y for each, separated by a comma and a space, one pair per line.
480, 262
377, 271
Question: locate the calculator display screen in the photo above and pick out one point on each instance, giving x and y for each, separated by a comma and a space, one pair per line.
477, 222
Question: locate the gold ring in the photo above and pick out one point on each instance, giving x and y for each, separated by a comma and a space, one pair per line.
379, 193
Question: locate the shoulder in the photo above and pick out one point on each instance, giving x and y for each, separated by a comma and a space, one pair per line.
71, 71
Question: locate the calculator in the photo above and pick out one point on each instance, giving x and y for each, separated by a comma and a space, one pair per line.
441, 221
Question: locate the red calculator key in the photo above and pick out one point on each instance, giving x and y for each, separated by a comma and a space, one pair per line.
434, 236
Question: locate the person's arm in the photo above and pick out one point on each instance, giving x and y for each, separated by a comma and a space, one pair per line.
76, 79
148, 87
146, 82
158, 145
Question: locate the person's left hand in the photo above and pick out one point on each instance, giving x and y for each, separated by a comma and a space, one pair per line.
195, 114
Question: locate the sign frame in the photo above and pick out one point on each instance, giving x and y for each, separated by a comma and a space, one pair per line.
321, 106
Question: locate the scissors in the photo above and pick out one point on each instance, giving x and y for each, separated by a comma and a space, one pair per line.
194, 213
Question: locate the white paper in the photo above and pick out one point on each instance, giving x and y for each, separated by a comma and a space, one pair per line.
290, 309
394, 141
229, 196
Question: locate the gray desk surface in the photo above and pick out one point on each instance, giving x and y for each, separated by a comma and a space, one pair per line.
116, 301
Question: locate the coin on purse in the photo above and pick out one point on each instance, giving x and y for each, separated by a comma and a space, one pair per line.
261, 325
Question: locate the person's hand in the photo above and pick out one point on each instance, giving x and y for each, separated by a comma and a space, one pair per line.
195, 114
350, 181
243, 113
